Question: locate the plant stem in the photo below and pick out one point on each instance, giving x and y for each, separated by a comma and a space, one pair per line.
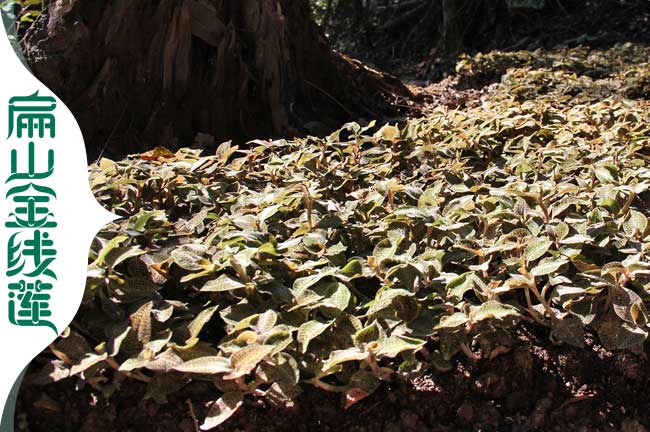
327, 387
628, 203
308, 203
529, 307
135, 375
543, 301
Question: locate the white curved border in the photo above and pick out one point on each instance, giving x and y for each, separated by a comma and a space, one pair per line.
78, 215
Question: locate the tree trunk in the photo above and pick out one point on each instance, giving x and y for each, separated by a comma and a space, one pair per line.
144, 73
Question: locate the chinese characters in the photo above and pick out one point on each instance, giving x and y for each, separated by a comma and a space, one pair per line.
31, 251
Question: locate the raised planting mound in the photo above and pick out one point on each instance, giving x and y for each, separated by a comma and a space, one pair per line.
377, 254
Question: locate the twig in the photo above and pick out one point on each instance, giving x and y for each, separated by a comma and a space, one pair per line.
628, 203
529, 307
350, 113
309, 204
327, 387
575, 399
405, 17
561, 6
110, 136
191, 407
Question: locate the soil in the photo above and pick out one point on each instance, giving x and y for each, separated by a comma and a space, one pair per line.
535, 386
449, 92
410, 51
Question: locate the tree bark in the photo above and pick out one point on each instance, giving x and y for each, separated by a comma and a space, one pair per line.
143, 73
452, 26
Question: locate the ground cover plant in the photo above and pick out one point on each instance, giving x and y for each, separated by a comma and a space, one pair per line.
378, 252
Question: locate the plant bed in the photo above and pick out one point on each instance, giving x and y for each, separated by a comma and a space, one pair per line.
442, 253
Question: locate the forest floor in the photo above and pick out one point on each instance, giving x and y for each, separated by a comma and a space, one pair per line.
534, 386
413, 55
432, 78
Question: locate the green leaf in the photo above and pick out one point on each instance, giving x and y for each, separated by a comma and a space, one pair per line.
394, 345
205, 365
189, 257
245, 359
605, 173
120, 254
87, 362
561, 230
548, 266
617, 334
337, 296
222, 409
385, 298
536, 248
200, 320
569, 330
266, 321
368, 334
301, 284
222, 283
310, 330
108, 247
457, 287
141, 322
635, 224
352, 269
139, 222
343, 356
456, 320
492, 309
628, 306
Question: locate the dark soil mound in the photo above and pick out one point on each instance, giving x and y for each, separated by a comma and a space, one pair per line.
535, 386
